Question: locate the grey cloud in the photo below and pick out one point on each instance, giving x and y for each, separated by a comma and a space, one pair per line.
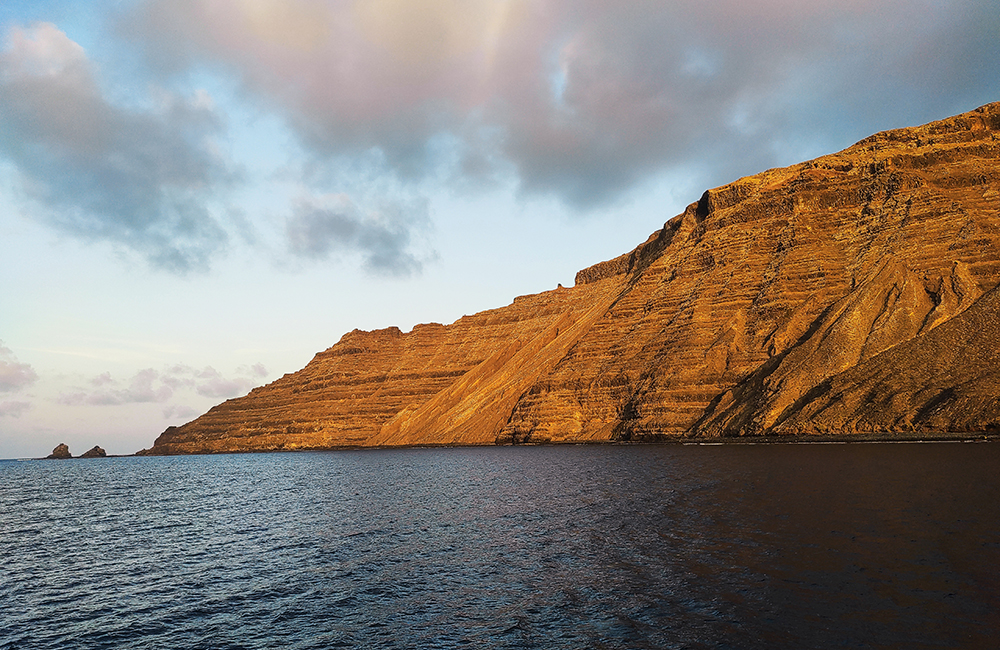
13, 409
179, 376
213, 384
321, 227
258, 370
140, 389
102, 172
179, 411
336, 70
152, 386
209, 382
102, 380
585, 100
14, 375
735, 88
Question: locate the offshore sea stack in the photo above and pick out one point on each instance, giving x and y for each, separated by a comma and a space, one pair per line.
851, 294
61, 452
94, 452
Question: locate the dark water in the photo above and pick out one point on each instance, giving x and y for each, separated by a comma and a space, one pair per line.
797, 546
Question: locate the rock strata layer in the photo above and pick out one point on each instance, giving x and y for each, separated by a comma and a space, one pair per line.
854, 293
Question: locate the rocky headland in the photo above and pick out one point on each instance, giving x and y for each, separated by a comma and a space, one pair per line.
854, 294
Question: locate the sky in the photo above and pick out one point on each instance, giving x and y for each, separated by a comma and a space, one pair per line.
196, 196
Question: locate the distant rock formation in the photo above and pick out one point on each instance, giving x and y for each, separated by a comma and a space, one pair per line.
95, 452
61, 452
855, 293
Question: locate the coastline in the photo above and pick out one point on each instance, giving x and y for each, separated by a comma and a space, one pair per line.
829, 439
826, 439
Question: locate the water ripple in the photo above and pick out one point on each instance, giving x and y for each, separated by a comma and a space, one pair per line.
891, 546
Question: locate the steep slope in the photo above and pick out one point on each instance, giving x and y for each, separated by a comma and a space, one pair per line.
945, 381
739, 317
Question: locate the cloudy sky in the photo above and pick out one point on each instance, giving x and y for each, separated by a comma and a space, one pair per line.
198, 195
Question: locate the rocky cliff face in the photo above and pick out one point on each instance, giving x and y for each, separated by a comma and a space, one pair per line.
852, 293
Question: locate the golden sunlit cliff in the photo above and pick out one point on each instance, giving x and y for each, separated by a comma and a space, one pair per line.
854, 293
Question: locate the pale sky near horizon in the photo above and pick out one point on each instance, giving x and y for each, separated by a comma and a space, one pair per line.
196, 196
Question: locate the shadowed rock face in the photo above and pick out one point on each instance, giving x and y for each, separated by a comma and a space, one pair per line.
851, 293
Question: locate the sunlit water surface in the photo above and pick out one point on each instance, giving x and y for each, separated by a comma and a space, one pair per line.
766, 546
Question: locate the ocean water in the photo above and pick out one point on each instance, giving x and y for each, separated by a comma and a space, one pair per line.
672, 546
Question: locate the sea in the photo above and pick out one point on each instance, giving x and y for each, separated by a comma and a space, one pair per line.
647, 546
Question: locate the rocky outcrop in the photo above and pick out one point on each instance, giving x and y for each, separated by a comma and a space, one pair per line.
61, 452
95, 452
854, 293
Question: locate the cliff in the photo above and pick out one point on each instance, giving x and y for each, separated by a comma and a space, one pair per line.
848, 294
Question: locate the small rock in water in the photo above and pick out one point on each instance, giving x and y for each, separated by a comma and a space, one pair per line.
60, 452
96, 452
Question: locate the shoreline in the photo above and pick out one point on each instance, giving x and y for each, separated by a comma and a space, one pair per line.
687, 441
831, 439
